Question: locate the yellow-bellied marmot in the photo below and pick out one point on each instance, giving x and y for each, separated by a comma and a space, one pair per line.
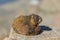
27, 25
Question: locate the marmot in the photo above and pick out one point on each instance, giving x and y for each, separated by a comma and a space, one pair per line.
27, 25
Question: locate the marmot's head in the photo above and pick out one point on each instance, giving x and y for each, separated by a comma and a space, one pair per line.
35, 19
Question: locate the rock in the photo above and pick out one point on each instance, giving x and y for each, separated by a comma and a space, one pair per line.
7, 38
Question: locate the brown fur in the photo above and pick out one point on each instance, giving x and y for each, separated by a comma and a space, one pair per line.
27, 25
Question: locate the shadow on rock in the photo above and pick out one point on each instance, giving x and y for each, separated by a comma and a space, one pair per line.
44, 28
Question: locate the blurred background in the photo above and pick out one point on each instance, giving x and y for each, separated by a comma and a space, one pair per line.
49, 10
